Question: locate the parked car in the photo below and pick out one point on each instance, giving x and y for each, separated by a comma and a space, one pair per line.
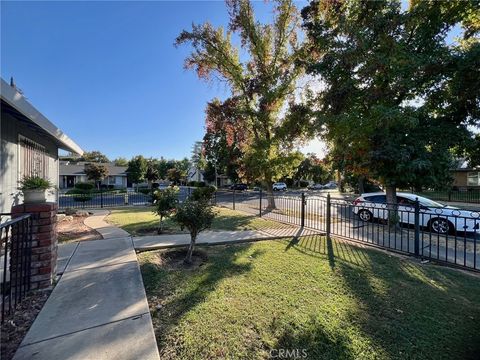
279, 186
330, 185
315, 187
240, 187
434, 216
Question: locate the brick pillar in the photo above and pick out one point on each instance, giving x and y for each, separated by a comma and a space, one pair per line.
44, 242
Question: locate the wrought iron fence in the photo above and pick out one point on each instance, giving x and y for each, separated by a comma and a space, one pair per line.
442, 234
468, 196
15, 260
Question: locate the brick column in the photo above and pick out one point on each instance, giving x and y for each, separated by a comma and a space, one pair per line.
44, 242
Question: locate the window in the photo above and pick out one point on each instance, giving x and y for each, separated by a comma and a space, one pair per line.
473, 179
379, 199
33, 158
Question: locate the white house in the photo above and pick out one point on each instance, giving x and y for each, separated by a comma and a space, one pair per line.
29, 145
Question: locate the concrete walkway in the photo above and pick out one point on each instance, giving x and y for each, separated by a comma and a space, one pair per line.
98, 310
144, 243
97, 222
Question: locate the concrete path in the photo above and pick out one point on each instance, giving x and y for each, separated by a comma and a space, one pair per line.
144, 243
98, 310
97, 222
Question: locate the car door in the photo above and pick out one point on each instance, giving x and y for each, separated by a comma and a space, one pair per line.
406, 210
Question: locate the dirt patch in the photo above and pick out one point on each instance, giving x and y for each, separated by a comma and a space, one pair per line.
172, 259
16, 325
73, 229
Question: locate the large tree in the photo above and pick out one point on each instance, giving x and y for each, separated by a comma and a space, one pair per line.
94, 156
261, 85
392, 92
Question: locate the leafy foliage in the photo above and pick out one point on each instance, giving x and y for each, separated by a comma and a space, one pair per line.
96, 172
120, 161
137, 169
203, 193
195, 216
396, 96
94, 156
165, 202
260, 87
35, 182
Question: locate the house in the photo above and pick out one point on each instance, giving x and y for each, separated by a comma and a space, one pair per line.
194, 174
71, 173
465, 177
29, 146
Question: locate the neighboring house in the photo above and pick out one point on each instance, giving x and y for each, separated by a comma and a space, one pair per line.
466, 177
71, 173
194, 174
29, 146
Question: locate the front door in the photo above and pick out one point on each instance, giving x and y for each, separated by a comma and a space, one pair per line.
70, 181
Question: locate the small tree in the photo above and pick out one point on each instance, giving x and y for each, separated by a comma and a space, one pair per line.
174, 175
165, 202
137, 168
96, 172
151, 174
195, 216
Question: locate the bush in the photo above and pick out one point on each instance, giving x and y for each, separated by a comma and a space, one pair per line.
165, 202
80, 195
84, 186
35, 183
303, 183
145, 191
203, 193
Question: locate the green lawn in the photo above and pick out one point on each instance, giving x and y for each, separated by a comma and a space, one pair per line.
335, 300
141, 221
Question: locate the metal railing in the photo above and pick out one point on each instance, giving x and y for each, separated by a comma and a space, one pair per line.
15, 261
468, 196
102, 199
445, 234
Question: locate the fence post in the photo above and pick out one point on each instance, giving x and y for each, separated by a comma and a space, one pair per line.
417, 227
303, 210
260, 204
449, 195
101, 198
233, 206
329, 216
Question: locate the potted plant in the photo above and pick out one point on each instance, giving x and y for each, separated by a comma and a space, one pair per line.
34, 189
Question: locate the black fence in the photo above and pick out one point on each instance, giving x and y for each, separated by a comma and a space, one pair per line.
467, 196
442, 234
15, 260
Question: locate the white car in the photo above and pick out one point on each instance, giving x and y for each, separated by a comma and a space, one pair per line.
434, 216
315, 187
279, 186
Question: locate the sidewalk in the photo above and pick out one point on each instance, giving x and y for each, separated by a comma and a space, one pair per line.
144, 243
97, 222
98, 310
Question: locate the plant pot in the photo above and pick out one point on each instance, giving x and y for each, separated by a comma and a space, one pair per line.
34, 196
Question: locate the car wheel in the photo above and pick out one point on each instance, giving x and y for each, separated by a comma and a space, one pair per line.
365, 215
440, 226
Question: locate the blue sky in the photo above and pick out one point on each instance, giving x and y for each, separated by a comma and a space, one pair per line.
107, 73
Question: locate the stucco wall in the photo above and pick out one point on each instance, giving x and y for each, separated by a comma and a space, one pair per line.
10, 129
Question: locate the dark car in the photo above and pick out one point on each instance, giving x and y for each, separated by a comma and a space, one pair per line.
240, 187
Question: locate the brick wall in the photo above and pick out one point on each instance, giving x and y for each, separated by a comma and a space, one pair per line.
44, 242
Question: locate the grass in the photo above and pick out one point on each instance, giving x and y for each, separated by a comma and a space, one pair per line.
333, 299
141, 221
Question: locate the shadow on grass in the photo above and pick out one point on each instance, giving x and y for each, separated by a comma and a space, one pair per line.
181, 290
407, 310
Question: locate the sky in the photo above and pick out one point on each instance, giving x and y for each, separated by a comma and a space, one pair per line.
108, 74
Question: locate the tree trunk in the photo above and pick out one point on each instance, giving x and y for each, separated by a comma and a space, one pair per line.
270, 197
391, 194
340, 184
361, 184
188, 258
160, 228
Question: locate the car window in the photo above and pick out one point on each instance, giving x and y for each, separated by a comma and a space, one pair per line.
379, 199
404, 201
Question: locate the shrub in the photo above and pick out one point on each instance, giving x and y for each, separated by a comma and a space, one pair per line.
203, 193
165, 202
35, 183
303, 183
80, 195
145, 191
84, 186
195, 216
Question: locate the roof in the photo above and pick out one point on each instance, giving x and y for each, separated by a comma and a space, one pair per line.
13, 98
69, 168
